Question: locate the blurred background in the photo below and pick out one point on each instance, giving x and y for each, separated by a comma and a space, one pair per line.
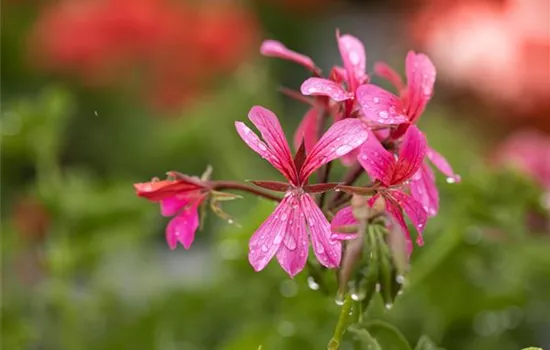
100, 94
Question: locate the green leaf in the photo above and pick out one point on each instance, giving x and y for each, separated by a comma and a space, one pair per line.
532, 348
425, 343
389, 337
363, 340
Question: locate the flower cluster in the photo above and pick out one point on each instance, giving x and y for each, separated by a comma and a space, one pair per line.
178, 48
371, 130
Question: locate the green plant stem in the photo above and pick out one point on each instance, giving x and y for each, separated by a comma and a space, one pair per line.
342, 324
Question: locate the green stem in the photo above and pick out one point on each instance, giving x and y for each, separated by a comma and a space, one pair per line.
342, 324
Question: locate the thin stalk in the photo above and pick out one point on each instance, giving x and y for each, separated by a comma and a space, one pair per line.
324, 178
349, 179
232, 185
342, 324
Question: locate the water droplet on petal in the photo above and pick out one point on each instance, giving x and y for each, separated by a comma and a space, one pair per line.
383, 114
262, 146
376, 100
340, 151
264, 248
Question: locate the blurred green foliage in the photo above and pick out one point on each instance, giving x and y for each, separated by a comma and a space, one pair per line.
87, 266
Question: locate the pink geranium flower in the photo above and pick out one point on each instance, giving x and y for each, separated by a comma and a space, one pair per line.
383, 107
393, 175
285, 232
352, 75
387, 108
179, 198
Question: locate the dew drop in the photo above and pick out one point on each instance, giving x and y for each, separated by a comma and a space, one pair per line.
354, 58
262, 146
376, 100
337, 190
312, 284
339, 300
340, 151
400, 279
359, 295
383, 114
420, 226
451, 180
378, 287
96, 114
230, 221
388, 306
264, 248
312, 90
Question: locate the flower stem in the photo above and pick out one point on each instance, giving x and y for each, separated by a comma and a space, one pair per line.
323, 179
342, 324
233, 185
349, 179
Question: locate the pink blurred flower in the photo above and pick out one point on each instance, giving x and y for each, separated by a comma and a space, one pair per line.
393, 175
179, 198
529, 152
500, 50
284, 233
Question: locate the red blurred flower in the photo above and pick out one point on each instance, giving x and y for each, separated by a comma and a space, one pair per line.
178, 48
31, 219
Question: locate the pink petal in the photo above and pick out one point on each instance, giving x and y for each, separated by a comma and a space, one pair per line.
376, 160
414, 211
182, 228
411, 155
327, 251
394, 210
292, 254
383, 70
170, 206
274, 48
307, 130
267, 239
276, 151
338, 74
325, 87
341, 138
442, 165
354, 59
350, 159
424, 191
420, 83
343, 217
379, 105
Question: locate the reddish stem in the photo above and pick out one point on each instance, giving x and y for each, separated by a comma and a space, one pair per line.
232, 185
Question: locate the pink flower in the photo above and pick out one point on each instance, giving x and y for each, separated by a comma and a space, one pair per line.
383, 107
422, 184
393, 174
285, 232
354, 59
529, 152
179, 198
389, 109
